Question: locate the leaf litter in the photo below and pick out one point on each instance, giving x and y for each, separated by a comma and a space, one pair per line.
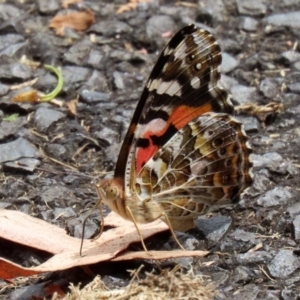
131, 5
23, 229
33, 96
168, 284
78, 21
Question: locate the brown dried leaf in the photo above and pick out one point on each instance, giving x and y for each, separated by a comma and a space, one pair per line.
26, 230
30, 96
130, 6
67, 3
79, 21
72, 106
30, 63
24, 84
158, 255
260, 111
167, 284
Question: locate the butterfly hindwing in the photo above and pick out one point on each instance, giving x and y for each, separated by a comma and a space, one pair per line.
205, 163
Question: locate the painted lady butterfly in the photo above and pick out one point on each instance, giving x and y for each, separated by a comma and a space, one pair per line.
184, 154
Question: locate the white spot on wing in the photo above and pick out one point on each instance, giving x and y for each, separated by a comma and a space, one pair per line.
195, 83
154, 126
180, 52
165, 67
169, 87
197, 167
198, 66
165, 87
153, 84
168, 51
149, 83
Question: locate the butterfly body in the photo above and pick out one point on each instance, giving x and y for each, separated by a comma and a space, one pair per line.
144, 211
184, 154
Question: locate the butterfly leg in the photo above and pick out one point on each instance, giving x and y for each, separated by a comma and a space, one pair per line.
138, 230
168, 222
102, 221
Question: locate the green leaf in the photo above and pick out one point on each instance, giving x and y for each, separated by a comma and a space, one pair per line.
59, 86
11, 118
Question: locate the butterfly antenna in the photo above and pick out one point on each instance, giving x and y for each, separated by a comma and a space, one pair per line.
98, 203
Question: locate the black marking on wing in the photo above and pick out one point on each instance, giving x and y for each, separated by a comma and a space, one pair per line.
142, 142
161, 114
161, 140
157, 70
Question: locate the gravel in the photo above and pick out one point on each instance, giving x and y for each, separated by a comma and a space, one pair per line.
254, 246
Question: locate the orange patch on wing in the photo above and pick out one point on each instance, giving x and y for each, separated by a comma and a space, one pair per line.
185, 114
181, 116
156, 127
144, 154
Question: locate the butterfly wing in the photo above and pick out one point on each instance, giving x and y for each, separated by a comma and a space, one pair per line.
182, 86
147, 96
203, 166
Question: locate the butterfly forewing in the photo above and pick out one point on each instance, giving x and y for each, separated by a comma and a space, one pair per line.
185, 88
147, 96
182, 85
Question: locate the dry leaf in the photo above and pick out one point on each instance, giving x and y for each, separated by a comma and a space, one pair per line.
186, 4
260, 111
72, 106
169, 284
130, 6
26, 230
67, 3
79, 21
30, 63
158, 255
24, 84
30, 96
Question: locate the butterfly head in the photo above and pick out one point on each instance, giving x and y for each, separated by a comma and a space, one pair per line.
110, 192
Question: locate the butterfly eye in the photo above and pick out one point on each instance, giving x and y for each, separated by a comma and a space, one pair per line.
112, 192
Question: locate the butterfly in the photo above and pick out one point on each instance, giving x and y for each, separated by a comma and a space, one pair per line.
184, 154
